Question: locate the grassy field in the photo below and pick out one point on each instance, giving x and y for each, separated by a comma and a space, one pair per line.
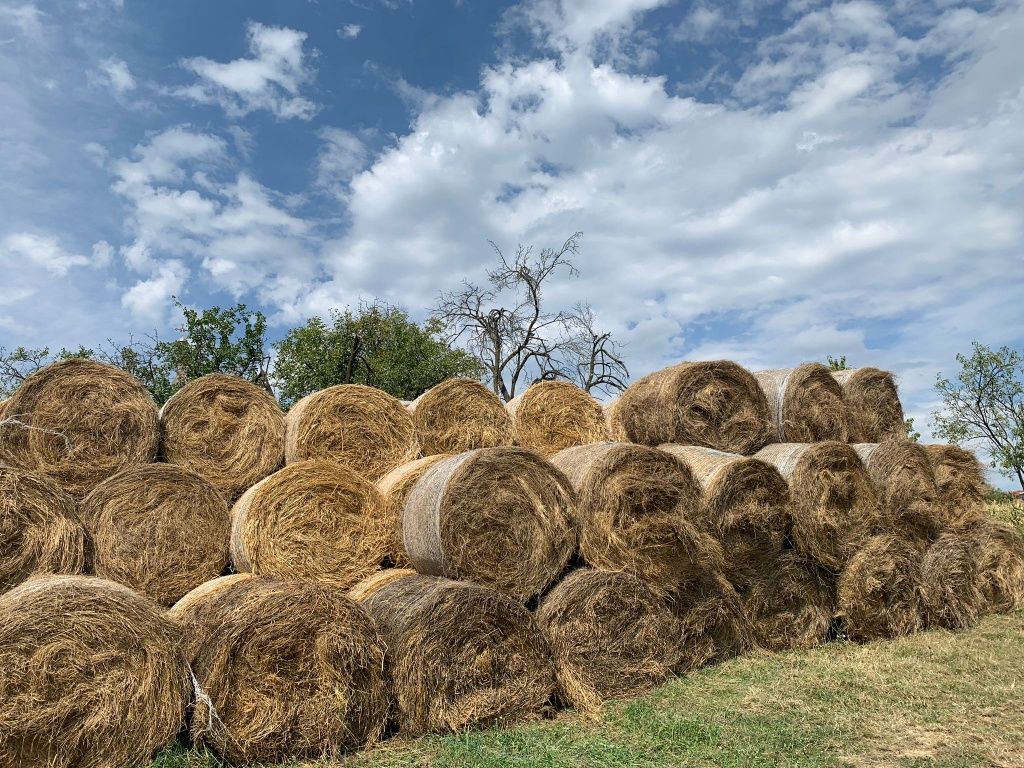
934, 700
937, 699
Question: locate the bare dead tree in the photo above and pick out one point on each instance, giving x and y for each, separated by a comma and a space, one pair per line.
593, 355
505, 326
510, 340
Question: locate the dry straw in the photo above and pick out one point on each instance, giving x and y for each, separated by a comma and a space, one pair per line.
1000, 549
806, 404
746, 508
835, 507
553, 415
792, 604
39, 529
226, 429
717, 405
873, 404
612, 423
715, 625
460, 655
612, 636
498, 516
459, 415
961, 482
361, 427
880, 590
78, 422
635, 510
312, 520
285, 670
91, 674
908, 494
380, 579
160, 529
395, 488
951, 580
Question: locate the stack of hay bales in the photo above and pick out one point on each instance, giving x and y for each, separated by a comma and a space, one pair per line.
453, 562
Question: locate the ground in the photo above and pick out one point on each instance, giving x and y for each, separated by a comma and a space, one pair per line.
934, 700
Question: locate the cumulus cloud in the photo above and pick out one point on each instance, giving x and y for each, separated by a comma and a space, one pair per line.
342, 156
149, 300
270, 79
115, 74
183, 206
569, 25
350, 31
42, 250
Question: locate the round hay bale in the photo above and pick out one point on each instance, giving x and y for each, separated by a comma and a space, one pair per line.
873, 404
1000, 549
78, 422
635, 512
792, 604
224, 428
361, 427
961, 482
905, 482
395, 488
498, 516
460, 654
460, 415
746, 508
285, 670
612, 636
371, 584
612, 423
180, 610
91, 674
715, 625
553, 415
951, 582
806, 404
835, 507
39, 529
717, 405
315, 520
880, 589
160, 529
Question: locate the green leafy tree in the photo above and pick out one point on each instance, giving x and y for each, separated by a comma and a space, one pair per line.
912, 434
212, 340
376, 344
985, 403
18, 363
837, 363
216, 340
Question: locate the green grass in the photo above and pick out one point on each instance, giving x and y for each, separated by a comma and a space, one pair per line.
934, 700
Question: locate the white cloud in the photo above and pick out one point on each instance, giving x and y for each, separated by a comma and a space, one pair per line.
25, 20
569, 25
114, 73
42, 250
149, 300
350, 31
183, 208
699, 23
271, 79
102, 253
342, 156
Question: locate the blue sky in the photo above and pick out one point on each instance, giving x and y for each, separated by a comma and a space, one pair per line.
767, 181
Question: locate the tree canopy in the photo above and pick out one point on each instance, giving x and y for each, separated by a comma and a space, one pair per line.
376, 344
